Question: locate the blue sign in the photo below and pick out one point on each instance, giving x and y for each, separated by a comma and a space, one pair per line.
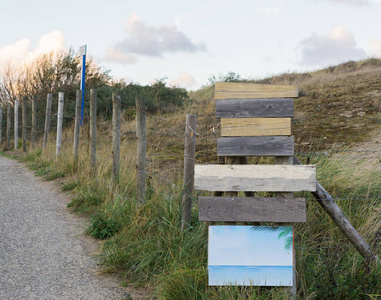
82, 52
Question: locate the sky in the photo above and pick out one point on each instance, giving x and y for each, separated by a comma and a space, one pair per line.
243, 246
187, 42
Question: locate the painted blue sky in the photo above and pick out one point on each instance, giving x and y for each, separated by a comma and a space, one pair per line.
187, 41
243, 246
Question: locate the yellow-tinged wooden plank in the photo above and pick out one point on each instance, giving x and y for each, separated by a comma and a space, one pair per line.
255, 126
232, 90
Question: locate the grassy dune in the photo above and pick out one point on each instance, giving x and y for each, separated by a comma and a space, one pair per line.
338, 107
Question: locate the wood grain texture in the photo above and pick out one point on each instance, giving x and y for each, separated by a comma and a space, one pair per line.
188, 177
231, 90
255, 126
252, 209
261, 178
141, 152
255, 108
256, 146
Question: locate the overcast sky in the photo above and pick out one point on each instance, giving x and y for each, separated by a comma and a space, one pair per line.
188, 41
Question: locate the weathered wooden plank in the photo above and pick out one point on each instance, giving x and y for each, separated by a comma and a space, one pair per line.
230, 90
267, 178
256, 146
255, 108
252, 209
255, 126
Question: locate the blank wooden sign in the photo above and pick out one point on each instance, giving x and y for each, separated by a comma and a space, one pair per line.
231, 90
255, 126
252, 209
255, 108
261, 178
256, 146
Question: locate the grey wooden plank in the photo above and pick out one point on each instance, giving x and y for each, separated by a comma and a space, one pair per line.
256, 178
256, 146
252, 209
255, 108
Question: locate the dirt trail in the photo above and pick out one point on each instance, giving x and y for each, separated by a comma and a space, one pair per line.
43, 253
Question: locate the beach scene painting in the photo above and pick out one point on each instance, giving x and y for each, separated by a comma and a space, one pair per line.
250, 255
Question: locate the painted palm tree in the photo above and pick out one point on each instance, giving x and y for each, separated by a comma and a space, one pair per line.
285, 232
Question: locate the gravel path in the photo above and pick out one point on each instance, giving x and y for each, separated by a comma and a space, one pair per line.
42, 253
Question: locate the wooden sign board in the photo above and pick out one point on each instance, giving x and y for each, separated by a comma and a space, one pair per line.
250, 255
255, 126
261, 178
252, 209
255, 108
256, 146
232, 90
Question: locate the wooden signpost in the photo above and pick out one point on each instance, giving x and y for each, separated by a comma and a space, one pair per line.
255, 121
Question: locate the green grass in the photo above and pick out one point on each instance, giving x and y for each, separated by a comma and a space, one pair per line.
144, 243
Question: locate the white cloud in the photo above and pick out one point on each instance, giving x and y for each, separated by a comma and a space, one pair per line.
336, 47
143, 39
51, 41
183, 80
114, 55
376, 47
17, 53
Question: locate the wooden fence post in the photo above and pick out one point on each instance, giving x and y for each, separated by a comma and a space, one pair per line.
141, 151
288, 160
9, 124
78, 103
16, 121
1, 124
47, 119
338, 217
34, 120
59, 123
116, 120
93, 129
188, 179
24, 124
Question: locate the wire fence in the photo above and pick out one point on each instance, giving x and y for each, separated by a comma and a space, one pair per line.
208, 133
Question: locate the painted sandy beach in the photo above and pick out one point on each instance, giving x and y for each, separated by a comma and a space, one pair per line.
250, 275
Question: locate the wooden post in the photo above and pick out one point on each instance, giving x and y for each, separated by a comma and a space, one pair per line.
338, 217
78, 103
231, 160
1, 124
116, 120
16, 121
188, 179
221, 161
9, 124
141, 149
47, 119
24, 124
34, 120
93, 129
59, 123
288, 160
